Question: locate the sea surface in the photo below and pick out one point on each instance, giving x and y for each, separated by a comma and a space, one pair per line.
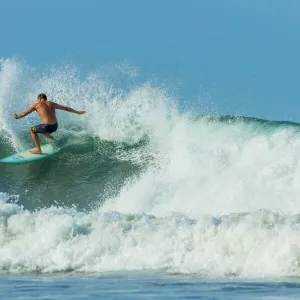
147, 199
142, 285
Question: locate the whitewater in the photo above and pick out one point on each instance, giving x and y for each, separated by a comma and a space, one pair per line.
144, 184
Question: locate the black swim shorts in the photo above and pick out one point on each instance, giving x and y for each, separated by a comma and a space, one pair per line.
44, 128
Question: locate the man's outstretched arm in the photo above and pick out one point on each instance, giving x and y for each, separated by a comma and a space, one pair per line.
25, 113
69, 109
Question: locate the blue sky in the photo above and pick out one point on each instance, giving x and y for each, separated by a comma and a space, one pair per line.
241, 57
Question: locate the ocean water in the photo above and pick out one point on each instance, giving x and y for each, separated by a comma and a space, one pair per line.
142, 285
146, 199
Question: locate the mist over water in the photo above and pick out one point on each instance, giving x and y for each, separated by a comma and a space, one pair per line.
142, 184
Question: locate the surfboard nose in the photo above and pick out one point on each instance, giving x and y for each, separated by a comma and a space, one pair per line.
25, 157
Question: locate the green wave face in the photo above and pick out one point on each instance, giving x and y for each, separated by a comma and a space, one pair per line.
80, 175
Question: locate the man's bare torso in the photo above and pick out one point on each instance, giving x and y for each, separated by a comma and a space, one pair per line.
46, 111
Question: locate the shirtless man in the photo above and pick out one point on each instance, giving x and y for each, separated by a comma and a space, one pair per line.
46, 111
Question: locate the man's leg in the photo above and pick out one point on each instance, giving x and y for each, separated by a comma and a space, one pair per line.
48, 136
36, 140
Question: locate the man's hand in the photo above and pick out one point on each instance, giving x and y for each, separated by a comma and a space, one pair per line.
81, 112
15, 116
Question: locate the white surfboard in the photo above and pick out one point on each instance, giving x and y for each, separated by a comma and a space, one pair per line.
25, 157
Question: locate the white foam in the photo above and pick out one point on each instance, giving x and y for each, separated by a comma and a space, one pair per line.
257, 244
8, 79
221, 170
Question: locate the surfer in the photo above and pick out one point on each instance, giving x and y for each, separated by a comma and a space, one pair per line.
46, 111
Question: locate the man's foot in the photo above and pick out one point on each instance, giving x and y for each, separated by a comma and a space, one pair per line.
35, 151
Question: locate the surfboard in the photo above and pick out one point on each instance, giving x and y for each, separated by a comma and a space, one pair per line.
25, 157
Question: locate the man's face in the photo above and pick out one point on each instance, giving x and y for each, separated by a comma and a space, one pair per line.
38, 99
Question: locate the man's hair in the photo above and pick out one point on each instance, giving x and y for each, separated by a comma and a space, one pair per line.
42, 96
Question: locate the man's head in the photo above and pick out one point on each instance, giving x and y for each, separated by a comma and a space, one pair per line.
41, 97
